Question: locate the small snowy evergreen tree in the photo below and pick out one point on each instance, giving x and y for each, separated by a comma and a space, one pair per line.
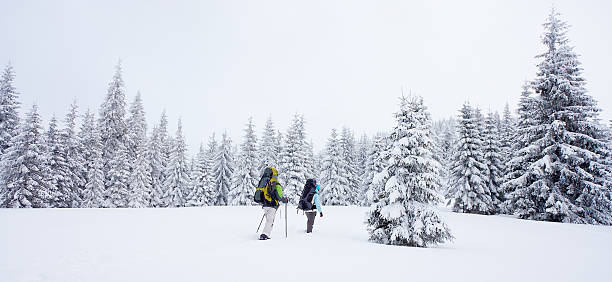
245, 176
140, 170
292, 174
403, 215
493, 160
25, 173
469, 189
268, 153
374, 166
113, 131
334, 176
349, 164
222, 171
178, 179
201, 181
9, 104
73, 154
93, 192
507, 134
60, 175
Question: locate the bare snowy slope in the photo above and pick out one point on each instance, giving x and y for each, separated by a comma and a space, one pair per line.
219, 244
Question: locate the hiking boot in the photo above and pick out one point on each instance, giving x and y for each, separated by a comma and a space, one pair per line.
264, 237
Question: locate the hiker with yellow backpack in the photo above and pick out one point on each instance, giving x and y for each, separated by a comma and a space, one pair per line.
269, 193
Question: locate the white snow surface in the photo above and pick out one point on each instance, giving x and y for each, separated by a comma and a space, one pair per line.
220, 244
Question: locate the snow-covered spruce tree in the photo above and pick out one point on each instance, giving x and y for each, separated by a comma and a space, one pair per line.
507, 134
59, 173
9, 117
25, 173
347, 151
139, 184
245, 176
292, 173
361, 153
493, 159
93, 192
404, 215
469, 190
222, 171
522, 154
566, 177
446, 141
201, 181
117, 193
268, 154
334, 178
309, 161
211, 153
178, 179
74, 156
374, 166
113, 131
279, 146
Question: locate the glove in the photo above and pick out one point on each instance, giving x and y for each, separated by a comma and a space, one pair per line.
321, 214
286, 199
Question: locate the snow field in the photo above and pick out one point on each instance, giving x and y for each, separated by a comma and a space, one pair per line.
220, 244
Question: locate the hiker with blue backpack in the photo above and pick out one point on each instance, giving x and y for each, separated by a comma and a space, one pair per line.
310, 203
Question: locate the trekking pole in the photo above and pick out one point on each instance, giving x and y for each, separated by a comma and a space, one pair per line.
262, 217
285, 220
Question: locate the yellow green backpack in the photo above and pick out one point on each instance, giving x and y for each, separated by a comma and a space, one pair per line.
264, 190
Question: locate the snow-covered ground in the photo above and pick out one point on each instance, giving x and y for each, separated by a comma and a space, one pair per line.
220, 244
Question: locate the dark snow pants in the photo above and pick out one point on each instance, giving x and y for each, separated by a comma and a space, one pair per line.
310, 215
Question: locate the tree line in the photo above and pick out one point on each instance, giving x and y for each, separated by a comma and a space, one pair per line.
549, 162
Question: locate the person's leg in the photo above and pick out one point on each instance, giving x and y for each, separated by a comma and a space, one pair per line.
310, 222
270, 215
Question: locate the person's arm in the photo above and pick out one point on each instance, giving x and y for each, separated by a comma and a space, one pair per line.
318, 203
279, 193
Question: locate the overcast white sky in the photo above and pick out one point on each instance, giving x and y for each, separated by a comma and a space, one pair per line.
215, 63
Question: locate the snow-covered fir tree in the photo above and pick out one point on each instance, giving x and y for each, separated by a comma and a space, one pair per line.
347, 151
93, 192
565, 177
362, 149
139, 184
116, 185
521, 153
292, 174
445, 138
469, 189
309, 161
268, 154
493, 159
334, 178
222, 171
9, 104
25, 173
159, 155
374, 166
201, 181
246, 175
178, 179
403, 215
73, 154
113, 131
59, 173
507, 132
212, 149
